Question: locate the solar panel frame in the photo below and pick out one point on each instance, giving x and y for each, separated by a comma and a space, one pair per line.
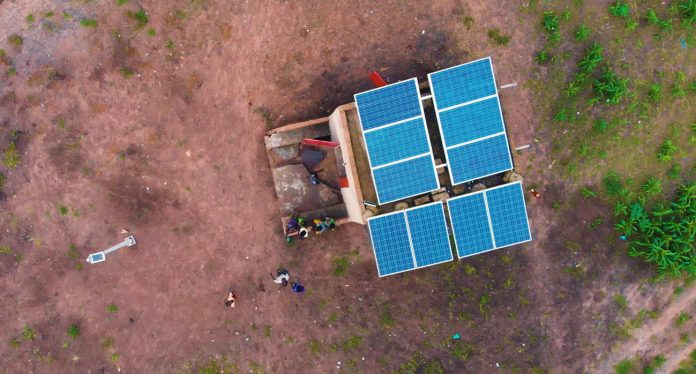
487, 244
381, 201
452, 107
488, 218
452, 166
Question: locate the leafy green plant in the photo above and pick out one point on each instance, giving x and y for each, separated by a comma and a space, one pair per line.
666, 151
582, 33
15, 343
620, 9
631, 24
682, 318
652, 186
112, 308
88, 22
655, 92
30, 18
674, 172
12, 157
587, 193
28, 333
610, 87
551, 22
498, 38
140, 17
687, 12
73, 331
542, 57
624, 367
600, 125
591, 59
663, 236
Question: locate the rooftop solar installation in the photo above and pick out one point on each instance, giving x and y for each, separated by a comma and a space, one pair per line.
397, 141
468, 112
410, 239
489, 219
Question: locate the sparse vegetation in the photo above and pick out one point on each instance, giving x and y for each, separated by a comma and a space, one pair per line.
15, 40
498, 38
12, 157
582, 33
140, 17
620, 9
28, 333
88, 22
126, 72
341, 265
112, 308
73, 331
682, 318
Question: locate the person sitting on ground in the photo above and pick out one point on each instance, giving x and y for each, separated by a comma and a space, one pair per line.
320, 226
296, 286
304, 232
231, 299
282, 277
330, 222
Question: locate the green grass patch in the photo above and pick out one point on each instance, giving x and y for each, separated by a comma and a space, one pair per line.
498, 38
341, 265
352, 343
28, 333
15, 40
88, 22
126, 72
682, 318
12, 157
140, 17
73, 331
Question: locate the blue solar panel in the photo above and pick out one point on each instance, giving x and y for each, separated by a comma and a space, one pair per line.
462, 83
469, 219
479, 159
470, 122
391, 243
397, 142
405, 179
388, 104
508, 215
429, 236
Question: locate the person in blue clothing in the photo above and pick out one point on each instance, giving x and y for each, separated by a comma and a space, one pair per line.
296, 286
320, 226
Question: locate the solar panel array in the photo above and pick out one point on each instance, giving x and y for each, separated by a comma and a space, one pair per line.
410, 239
471, 121
490, 219
397, 141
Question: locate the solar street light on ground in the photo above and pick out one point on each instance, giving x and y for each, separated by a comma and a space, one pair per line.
101, 256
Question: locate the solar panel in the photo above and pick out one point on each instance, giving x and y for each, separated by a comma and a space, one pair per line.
489, 219
412, 238
397, 141
404, 179
508, 215
479, 159
388, 104
463, 83
429, 235
391, 243
472, 233
471, 121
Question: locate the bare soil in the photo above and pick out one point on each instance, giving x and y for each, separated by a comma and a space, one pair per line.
174, 155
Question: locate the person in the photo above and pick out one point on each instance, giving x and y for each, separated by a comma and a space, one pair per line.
320, 226
296, 286
231, 299
330, 222
282, 277
304, 233
293, 226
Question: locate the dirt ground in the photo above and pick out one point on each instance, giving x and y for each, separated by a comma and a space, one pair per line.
160, 133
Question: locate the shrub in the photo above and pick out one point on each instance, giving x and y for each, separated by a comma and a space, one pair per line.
620, 9
28, 333
498, 38
15, 40
687, 11
666, 151
542, 57
73, 331
582, 33
140, 17
663, 236
655, 92
11, 156
652, 186
610, 87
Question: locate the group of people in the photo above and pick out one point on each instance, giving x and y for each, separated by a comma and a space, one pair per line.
299, 225
282, 277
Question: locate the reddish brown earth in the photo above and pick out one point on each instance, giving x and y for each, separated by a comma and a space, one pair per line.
174, 154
